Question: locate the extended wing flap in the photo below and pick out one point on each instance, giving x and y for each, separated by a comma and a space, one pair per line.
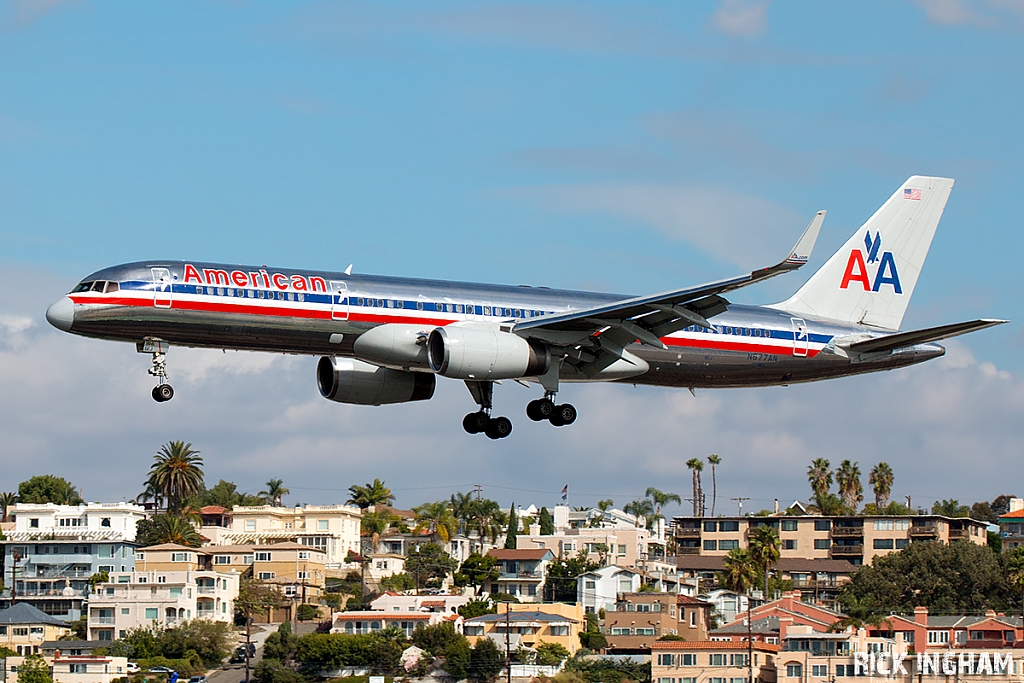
901, 340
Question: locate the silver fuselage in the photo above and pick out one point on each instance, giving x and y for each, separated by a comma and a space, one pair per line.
323, 313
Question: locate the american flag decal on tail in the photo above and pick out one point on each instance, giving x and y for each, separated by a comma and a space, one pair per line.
909, 193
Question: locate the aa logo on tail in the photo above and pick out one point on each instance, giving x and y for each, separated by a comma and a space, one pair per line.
857, 267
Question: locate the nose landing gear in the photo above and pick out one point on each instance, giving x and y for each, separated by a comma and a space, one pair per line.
162, 391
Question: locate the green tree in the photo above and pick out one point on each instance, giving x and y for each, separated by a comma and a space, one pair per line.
224, 494
1014, 571
603, 506
547, 522
486, 660
48, 488
437, 639
458, 660
255, 597
551, 654
386, 655
982, 512
958, 578
819, 474
6, 501
696, 466
477, 607
371, 494
271, 670
560, 584
851, 491
436, 518
951, 508
764, 550
739, 571
513, 527
307, 612
881, 480
177, 473
34, 670
478, 570
660, 498
397, 583
167, 528
275, 492
461, 505
1001, 505
640, 508
281, 644
487, 519
378, 524
714, 460
429, 564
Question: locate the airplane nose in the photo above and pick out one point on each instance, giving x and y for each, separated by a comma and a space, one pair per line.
61, 314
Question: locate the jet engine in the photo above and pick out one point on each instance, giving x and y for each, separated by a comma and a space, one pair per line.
347, 380
485, 354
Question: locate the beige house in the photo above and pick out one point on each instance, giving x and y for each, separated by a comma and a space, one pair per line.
639, 619
522, 572
75, 668
857, 539
160, 597
332, 529
551, 622
24, 628
372, 621
621, 547
727, 662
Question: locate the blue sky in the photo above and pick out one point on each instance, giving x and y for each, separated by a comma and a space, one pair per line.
631, 147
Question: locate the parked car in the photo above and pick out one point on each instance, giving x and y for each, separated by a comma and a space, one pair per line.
160, 670
197, 679
133, 668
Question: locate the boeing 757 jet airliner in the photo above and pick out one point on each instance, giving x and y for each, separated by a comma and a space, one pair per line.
386, 339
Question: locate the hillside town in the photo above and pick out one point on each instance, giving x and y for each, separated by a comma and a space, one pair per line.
185, 577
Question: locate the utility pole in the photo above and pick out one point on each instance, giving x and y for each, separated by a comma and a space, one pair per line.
479, 489
740, 501
750, 641
508, 642
908, 504
14, 576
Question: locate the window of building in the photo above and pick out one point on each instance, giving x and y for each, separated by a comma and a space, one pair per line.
710, 545
789, 544
70, 521
33, 523
105, 522
265, 575
18, 631
3, 630
105, 552
902, 543
938, 637
794, 671
303, 575
822, 524
666, 660
822, 544
180, 557
175, 592
622, 549
151, 613
883, 544
473, 630
728, 545
126, 611
322, 525
711, 526
250, 525
819, 670
124, 579
246, 559
161, 579
693, 618
590, 584
738, 660
639, 631
291, 591
883, 525
728, 526
76, 668
303, 554
263, 556
222, 559
688, 660
789, 525
717, 659
105, 568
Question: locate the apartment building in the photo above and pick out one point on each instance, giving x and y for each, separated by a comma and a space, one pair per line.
639, 619
1011, 525
857, 540
396, 602
810, 655
74, 668
620, 547
372, 621
600, 589
775, 618
161, 598
819, 580
52, 551
924, 632
706, 661
523, 572
554, 622
24, 629
331, 529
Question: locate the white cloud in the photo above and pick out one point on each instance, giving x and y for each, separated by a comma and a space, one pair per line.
23, 13
999, 14
741, 17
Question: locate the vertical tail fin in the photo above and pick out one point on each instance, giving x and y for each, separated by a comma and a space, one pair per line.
871, 278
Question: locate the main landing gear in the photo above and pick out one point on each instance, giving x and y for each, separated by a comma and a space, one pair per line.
162, 391
545, 409
481, 421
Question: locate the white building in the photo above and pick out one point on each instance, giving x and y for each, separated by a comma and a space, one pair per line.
728, 605
164, 598
394, 602
74, 668
86, 522
598, 590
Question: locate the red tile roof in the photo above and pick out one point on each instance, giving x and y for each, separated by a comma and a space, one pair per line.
687, 600
711, 645
1014, 515
432, 603
212, 510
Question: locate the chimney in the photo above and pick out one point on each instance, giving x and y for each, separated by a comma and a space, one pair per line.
776, 506
1016, 504
784, 624
921, 616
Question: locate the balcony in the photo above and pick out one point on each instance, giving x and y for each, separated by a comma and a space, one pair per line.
959, 535
206, 613
687, 532
924, 531
206, 590
102, 621
688, 550
847, 531
812, 584
846, 550
521, 575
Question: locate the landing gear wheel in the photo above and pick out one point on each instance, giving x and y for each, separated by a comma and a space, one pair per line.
564, 414
474, 423
163, 392
541, 409
498, 428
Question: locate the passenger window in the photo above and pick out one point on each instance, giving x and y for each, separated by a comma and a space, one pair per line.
399, 304
419, 305
112, 287
487, 310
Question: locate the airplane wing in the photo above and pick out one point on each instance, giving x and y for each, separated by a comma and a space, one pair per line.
901, 340
647, 318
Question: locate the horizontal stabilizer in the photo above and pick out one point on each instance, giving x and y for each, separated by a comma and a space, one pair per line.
904, 339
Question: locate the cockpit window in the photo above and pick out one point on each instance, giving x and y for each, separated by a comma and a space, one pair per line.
112, 287
98, 286
83, 287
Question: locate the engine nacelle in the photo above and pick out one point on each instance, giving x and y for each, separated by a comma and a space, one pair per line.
485, 354
347, 380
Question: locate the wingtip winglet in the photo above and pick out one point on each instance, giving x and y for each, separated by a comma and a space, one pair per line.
801, 251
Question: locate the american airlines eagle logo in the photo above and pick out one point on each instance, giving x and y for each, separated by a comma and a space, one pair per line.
885, 272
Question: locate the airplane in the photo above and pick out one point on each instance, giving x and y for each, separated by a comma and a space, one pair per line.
385, 340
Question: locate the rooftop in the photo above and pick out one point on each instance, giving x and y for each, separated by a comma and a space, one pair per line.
520, 554
24, 613
711, 645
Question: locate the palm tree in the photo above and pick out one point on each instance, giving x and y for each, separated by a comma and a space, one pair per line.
765, 549
697, 465
639, 508
371, 494
168, 528
379, 524
275, 492
881, 479
739, 571
462, 508
6, 501
437, 518
850, 488
714, 460
604, 506
660, 498
487, 519
819, 474
177, 473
